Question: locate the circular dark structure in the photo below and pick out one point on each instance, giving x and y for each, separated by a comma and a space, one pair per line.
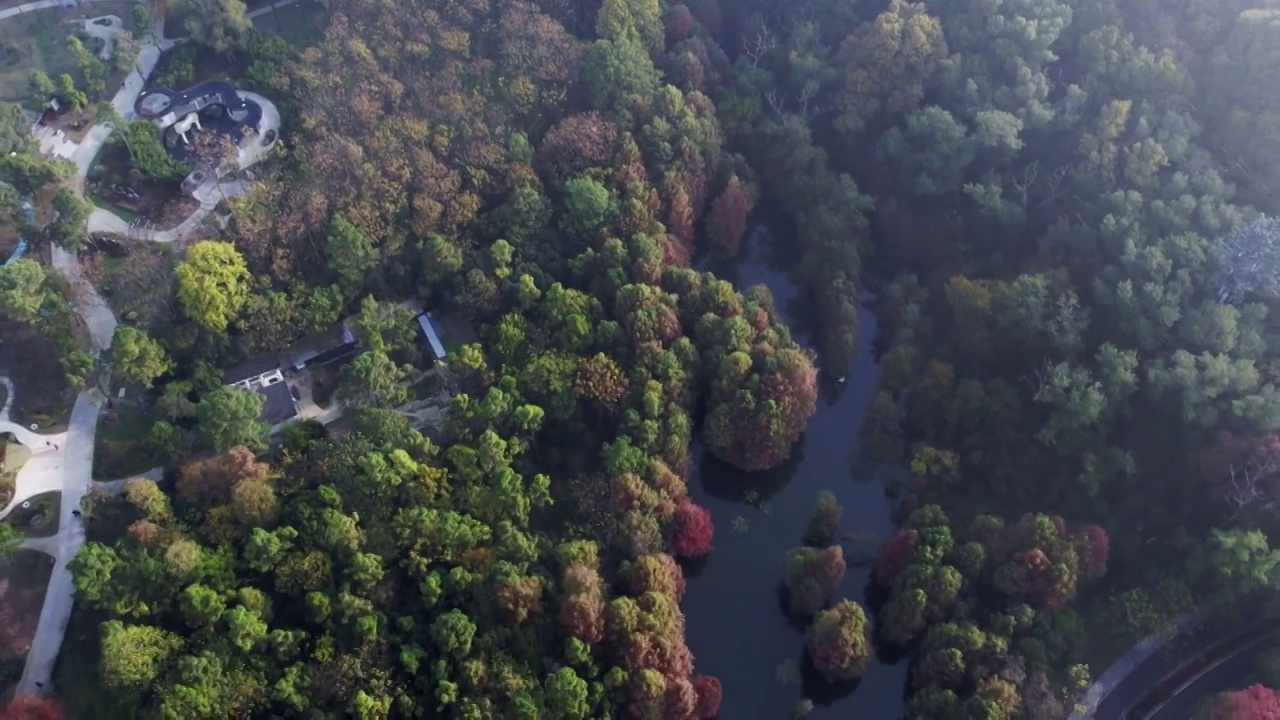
202, 98
216, 103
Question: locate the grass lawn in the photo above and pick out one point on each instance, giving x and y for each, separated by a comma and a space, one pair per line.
37, 41
33, 41
125, 213
23, 581
37, 516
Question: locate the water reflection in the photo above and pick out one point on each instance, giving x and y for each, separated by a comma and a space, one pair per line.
725, 482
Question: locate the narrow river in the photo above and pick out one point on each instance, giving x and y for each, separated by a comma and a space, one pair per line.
738, 629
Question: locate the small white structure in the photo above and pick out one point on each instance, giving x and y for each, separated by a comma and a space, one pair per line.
184, 126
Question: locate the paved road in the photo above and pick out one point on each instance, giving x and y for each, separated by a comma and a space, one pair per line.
1230, 675
43, 470
1154, 668
44, 5
77, 477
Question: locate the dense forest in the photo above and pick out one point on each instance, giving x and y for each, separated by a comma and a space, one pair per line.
1057, 206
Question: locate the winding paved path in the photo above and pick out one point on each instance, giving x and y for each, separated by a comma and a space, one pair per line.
64, 462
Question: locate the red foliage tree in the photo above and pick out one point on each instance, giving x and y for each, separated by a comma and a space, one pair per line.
838, 642
1045, 583
709, 695
1255, 702
691, 531
727, 221
895, 555
812, 577
1093, 548
32, 707
682, 700
630, 492
679, 217
583, 613
576, 143
679, 23
755, 430
667, 481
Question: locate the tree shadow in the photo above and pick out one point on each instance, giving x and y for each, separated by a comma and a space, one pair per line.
799, 623
693, 567
821, 691
722, 481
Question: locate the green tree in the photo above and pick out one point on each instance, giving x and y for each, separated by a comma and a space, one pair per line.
22, 291
213, 284
77, 365
351, 254
636, 19
374, 379
1237, 563
149, 156
92, 70
453, 633
133, 656
617, 72
931, 153
42, 88
143, 19
68, 229
136, 358
73, 97
220, 25
10, 540
566, 695
589, 207
228, 417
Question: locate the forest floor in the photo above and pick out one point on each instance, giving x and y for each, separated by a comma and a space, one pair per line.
298, 24
24, 579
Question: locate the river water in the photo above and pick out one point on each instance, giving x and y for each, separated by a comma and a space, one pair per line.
737, 627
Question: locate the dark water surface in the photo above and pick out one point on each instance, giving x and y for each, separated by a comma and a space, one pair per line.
737, 627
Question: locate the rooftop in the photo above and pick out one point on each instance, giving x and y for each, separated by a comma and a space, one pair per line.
279, 406
251, 368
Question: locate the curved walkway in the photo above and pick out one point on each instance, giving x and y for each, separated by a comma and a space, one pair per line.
1134, 673
46, 5
64, 462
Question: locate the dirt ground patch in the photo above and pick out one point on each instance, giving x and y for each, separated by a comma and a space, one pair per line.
41, 393
133, 276
23, 581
